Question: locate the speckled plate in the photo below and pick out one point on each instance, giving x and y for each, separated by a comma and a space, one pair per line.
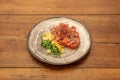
69, 56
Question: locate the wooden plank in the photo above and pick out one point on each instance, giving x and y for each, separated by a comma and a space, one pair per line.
14, 53
103, 28
59, 74
59, 7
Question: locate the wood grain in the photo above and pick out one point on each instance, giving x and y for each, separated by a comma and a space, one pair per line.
103, 28
102, 18
59, 7
14, 53
59, 74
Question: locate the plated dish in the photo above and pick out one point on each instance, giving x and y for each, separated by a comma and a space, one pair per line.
59, 41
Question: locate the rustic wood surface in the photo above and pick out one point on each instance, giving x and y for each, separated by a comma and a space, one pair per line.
102, 18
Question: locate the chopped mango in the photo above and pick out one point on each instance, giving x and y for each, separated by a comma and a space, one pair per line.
58, 46
48, 51
48, 36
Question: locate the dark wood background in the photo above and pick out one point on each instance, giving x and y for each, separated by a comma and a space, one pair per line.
17, 18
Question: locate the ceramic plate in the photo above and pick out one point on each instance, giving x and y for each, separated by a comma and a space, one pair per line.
69, 55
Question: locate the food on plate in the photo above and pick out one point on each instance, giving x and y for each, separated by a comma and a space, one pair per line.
66, 36
49, 43
60, 36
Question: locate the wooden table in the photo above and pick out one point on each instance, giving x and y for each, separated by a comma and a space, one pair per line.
17, 18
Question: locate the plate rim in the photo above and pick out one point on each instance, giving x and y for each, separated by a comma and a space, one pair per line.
81, 22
